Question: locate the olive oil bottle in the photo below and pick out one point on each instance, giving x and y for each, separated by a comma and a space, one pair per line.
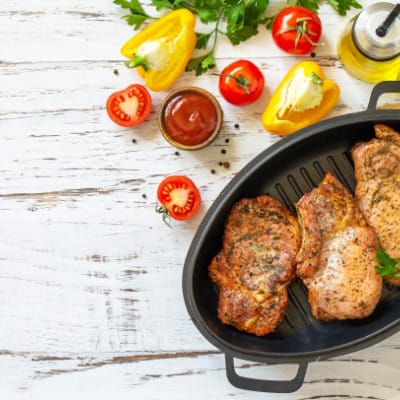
369, 46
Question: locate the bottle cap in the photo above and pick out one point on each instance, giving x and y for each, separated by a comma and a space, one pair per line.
376, 31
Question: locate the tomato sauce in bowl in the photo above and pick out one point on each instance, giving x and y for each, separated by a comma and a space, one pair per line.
190, 118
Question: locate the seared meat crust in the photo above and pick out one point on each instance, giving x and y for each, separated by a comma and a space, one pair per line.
377, 171
256, 264
336, 260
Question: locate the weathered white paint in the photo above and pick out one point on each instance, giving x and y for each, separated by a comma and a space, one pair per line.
91, 305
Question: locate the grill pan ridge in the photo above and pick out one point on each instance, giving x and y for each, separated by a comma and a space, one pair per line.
288, 169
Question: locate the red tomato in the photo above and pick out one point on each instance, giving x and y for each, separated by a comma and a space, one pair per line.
131, 106
296, 30
241, 82
179, 197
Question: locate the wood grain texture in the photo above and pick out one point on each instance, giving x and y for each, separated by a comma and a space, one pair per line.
91, 304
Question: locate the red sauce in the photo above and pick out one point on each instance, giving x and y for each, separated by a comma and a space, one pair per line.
190, 118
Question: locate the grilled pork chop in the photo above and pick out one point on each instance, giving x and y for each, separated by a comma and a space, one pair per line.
377, 171
336, 260
256, 264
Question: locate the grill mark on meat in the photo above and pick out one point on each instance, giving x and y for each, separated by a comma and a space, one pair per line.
256, 264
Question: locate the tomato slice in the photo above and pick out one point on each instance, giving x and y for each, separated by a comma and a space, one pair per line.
180, 197
131, 106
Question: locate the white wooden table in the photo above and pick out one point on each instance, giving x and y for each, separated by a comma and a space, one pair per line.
91, 305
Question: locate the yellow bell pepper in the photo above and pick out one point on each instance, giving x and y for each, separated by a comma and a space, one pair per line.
161, 51
303, 98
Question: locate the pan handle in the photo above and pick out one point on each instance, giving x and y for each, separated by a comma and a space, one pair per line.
381, 88
259, 385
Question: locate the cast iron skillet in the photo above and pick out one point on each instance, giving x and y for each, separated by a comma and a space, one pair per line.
287, 170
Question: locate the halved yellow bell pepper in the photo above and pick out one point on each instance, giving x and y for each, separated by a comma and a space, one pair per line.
303, 98
161, 51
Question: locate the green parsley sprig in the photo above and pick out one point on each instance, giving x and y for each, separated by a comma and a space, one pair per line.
388, 267
137, 15
238, 20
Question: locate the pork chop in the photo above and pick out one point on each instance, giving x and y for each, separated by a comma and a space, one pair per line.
336, 260
377, 171
256, 264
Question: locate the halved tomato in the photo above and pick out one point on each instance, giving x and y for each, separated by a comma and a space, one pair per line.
179, 197
131, 106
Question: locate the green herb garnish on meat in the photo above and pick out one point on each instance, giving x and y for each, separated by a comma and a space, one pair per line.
388, 267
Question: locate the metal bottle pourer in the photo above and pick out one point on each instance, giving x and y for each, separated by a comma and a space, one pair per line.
376, 31
381, 30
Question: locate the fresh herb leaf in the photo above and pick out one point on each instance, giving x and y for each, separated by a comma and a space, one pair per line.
137, 14
133, 5
235, 17
201, 64
260, 6
245, 33
388, 267
312, 5
208, 15
342, 6
135, 20
269, 21
210, 4
202, 40
255, 10
244, 19
168, 4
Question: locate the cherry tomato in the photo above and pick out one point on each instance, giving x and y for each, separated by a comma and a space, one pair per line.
241, 82
131, 106
296, 30
179, 197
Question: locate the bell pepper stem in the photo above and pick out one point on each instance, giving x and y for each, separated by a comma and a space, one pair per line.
137, 61
315, 78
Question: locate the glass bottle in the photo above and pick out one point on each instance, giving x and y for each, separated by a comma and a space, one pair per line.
369, 45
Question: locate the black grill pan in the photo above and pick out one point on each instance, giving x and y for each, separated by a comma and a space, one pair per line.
287, 170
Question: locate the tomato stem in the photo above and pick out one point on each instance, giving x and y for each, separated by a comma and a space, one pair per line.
241, 80
160, 209
302, 30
